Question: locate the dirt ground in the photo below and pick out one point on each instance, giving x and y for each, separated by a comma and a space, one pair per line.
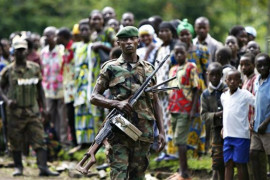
68, 173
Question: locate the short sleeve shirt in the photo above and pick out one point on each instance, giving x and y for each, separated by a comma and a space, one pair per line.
21, 86
180, 100
51, 67
235, 113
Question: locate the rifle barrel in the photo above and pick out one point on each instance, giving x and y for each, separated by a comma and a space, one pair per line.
146, 83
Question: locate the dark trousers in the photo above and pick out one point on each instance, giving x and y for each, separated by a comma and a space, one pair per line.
57, 111
71, 121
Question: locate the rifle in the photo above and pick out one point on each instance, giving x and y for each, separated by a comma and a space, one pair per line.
155, 88
4, 120
114, 118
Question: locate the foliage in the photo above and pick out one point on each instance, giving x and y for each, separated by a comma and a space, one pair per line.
17, 15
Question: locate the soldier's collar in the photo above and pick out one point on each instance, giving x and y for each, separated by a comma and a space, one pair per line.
121, 60
20, 68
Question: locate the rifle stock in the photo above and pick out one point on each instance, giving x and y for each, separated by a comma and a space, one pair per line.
106, 130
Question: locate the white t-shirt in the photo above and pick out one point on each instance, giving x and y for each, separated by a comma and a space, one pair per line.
235, 113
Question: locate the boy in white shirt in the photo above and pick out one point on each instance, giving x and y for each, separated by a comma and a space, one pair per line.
236, 132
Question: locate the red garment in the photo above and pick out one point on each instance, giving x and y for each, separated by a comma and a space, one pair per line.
34, 57
68, 56
249, 85
180, 100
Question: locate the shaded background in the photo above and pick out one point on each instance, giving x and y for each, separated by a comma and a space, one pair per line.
31, 15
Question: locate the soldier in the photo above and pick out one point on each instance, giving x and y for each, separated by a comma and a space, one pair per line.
123, 76
21, 89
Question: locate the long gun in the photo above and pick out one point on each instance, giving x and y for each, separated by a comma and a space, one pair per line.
106, 130
155, 88
4, 120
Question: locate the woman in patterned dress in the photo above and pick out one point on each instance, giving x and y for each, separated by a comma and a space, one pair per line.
86, 71
167, 34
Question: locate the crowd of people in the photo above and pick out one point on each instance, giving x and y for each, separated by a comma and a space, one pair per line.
218, 103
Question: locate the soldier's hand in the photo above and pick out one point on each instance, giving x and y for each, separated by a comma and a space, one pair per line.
161, 141
124, 107
11, 103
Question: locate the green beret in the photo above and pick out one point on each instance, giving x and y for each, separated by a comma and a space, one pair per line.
185, 25
128, 31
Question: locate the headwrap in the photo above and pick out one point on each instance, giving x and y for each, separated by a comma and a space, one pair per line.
76, 29
166, 24
185, 25
146, 29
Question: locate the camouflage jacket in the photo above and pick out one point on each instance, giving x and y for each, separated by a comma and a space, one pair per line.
124, 79
21, 86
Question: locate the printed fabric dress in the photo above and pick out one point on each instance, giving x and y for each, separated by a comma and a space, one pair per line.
106, 37
86, 72
162, 75
199, 56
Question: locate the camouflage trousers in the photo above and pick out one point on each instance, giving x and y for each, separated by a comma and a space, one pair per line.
128, 159
28, 127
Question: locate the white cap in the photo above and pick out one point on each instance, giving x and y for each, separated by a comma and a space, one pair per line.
19, 42
251, 30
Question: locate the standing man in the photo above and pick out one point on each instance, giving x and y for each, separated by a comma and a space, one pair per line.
21, 89
123, 77
127, 19
108, 13
203, 37
68, 71
51, 60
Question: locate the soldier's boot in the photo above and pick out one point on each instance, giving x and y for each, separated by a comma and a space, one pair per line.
17, 158
42, 164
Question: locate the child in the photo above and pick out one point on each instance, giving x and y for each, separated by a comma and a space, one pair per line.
231, 42
224, 56
236, 132
211, 112
253, 47
183, 104
198, 55
247, 67
247, 64
241, 35
260, 140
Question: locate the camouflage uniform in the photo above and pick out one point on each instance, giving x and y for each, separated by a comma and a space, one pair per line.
129, 159
21, 85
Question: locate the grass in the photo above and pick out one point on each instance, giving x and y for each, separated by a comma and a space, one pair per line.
203, 163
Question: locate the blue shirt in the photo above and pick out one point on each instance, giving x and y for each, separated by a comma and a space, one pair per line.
262, 102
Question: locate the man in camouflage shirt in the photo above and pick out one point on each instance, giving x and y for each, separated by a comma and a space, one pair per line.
21, 89
129, 159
